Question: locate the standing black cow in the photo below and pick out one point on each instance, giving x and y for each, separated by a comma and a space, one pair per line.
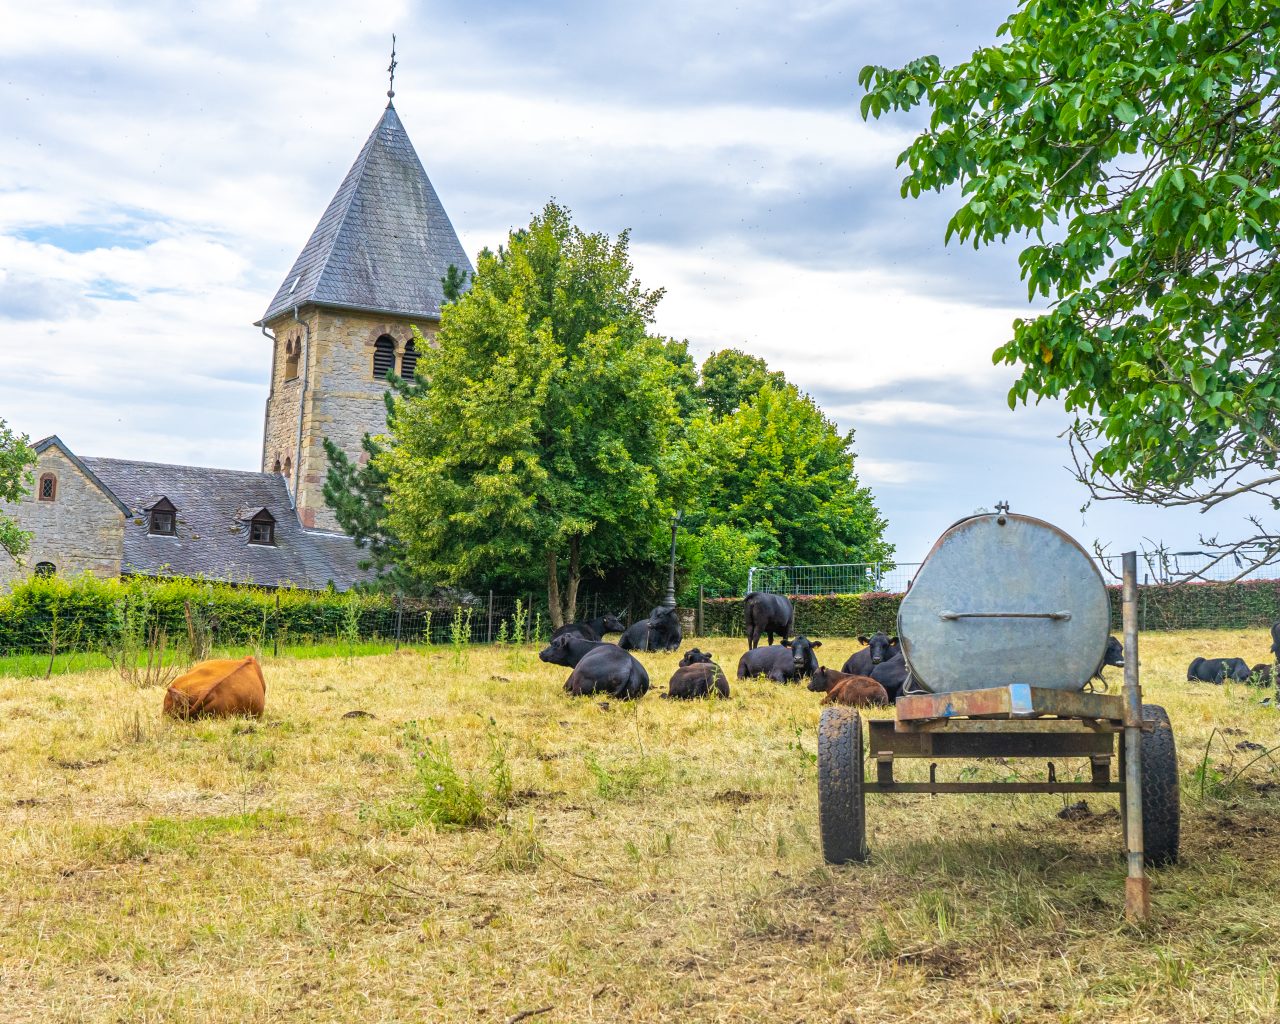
1218, 670
659, 632
879, 648
1113, 655
783, 663
593, 629
1275, 640
767, 614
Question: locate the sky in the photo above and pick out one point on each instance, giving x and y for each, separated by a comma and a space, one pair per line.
162, 165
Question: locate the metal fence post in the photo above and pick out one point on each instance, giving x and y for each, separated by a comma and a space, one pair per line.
700, 620
275, 630
399, 618
751, 575
1137, 891
489, 640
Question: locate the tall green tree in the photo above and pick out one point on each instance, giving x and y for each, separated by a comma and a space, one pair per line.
780, 474
16, 459
731, 377
540, 436
1136, 146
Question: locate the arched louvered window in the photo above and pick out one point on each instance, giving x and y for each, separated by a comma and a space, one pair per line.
409, 361
292, 350
384, 357
44, 569
48, 489
288, 465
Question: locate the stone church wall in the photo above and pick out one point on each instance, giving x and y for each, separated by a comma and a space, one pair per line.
81, 530
344, 401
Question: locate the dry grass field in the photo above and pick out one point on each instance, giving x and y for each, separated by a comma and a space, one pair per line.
649, 862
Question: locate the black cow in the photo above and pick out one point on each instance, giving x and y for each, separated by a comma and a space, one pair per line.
1261, 675
1217, 670
697, 676
659, 632
783, 663
892, 675
608, 669
593, 629
767, 614
568, 649
1275, 640
1113, 655
879, 648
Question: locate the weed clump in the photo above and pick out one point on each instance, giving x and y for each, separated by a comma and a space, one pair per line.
442, 795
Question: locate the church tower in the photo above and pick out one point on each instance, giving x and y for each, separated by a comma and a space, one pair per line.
342, 318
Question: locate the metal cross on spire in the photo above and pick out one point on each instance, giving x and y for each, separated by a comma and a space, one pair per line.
391, 68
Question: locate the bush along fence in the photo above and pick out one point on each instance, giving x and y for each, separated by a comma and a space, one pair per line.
1251, 604
90, 614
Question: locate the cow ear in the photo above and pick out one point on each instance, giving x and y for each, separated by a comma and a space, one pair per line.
893, 641
816, 644
864, 640
786, 643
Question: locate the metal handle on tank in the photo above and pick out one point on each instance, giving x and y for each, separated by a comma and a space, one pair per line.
1056, 616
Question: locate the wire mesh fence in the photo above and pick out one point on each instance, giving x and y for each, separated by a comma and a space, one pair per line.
848, 578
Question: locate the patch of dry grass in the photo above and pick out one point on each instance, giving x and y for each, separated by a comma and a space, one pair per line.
653, 862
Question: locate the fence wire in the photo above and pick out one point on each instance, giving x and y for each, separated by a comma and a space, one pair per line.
816, 580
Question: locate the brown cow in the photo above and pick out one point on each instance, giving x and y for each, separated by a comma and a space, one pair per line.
218, 689
847, 688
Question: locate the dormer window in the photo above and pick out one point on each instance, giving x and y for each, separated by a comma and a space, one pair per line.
48, 489
262, 527
162, 519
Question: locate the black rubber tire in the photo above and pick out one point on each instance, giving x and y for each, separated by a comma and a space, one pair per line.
841, 803
1161, 801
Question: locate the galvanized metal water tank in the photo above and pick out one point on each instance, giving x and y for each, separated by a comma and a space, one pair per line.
1004, 599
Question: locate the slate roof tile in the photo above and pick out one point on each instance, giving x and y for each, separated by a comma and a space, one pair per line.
385, 240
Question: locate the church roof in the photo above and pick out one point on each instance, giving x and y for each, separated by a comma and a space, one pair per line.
212, 534
385, 241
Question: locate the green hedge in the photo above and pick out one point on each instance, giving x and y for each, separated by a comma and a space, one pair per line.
91, 613
1254, 604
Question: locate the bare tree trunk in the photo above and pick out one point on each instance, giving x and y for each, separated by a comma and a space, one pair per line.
553, 590
575, 577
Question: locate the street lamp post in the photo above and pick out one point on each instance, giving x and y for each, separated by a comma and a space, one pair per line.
670, 600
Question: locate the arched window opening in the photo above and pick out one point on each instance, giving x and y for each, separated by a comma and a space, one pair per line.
48, 489
409, 361
46, 569
277, 465
292, 350
384, 357
288, 465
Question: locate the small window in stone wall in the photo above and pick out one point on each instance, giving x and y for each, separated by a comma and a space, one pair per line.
292, 350
409, 361
46, 569
48, 489
277, 466
384, 357
288, 466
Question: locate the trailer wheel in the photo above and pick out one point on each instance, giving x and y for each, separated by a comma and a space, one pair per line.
841, 805
1161, 807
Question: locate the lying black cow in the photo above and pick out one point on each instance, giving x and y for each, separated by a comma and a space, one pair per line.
608, 669
697, 676
892, 674
767, 614
568, 649
659, 632
880, 647
593, 629
1218, 670
1261, 675
783, 663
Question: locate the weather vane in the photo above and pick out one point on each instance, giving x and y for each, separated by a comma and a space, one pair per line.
391, 68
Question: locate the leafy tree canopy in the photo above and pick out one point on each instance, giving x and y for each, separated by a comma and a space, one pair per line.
16, 459
1135, 145
541, 430
730, 378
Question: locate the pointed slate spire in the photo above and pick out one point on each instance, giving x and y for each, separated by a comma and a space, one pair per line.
385, 241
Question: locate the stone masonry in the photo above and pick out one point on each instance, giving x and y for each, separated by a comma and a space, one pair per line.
342, 400
81, 530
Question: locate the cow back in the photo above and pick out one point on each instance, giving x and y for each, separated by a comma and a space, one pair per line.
218, 689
